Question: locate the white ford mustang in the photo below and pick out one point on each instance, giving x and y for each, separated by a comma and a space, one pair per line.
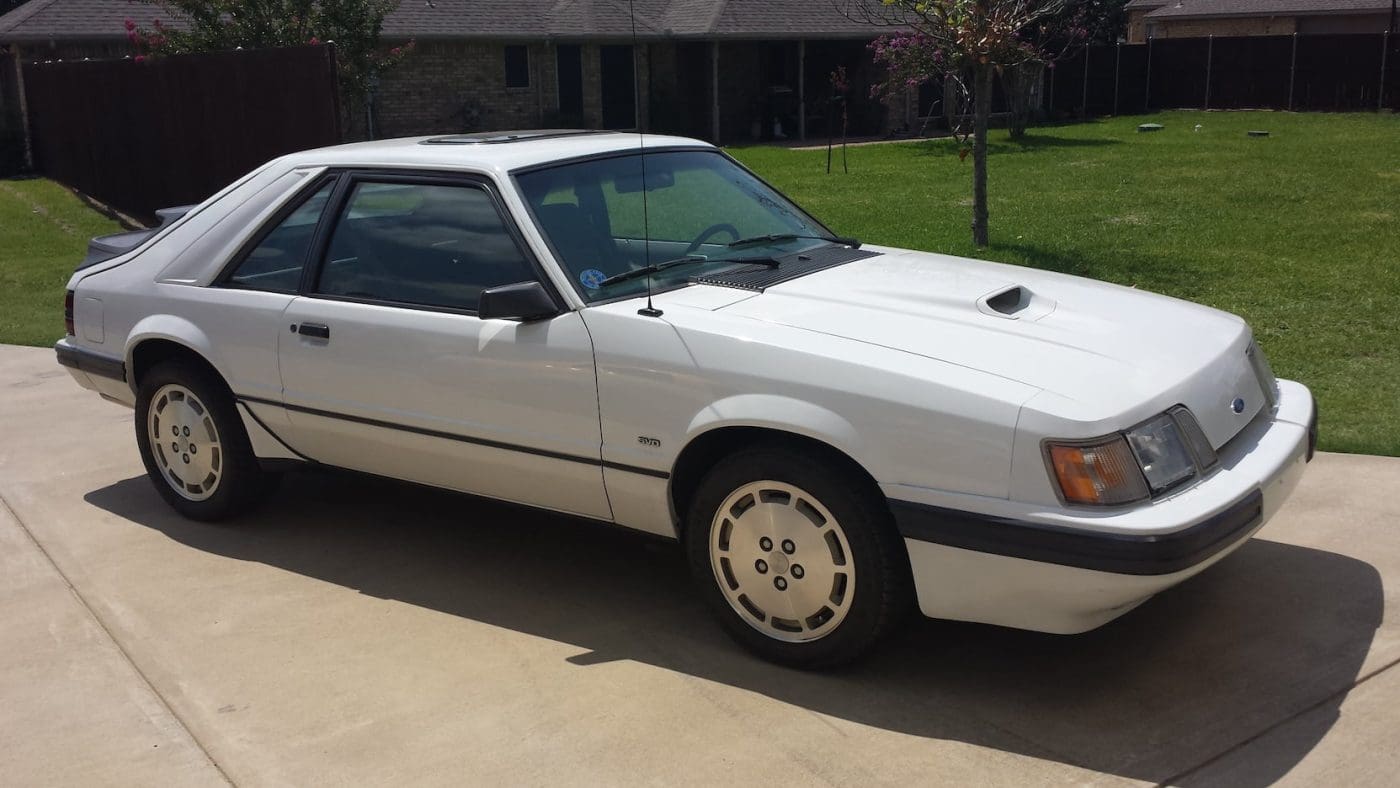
834, 431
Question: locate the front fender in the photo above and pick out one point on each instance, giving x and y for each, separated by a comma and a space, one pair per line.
784, 414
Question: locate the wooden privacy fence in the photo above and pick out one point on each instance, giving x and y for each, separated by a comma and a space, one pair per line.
1299, 72
173, 130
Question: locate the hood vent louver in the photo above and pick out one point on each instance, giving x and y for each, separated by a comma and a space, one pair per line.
789, 267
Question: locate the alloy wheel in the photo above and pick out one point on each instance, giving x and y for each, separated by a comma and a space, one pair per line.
782, 561
185, 442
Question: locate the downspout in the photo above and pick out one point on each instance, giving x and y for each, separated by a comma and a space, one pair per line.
802, 89
714, 89
539, 84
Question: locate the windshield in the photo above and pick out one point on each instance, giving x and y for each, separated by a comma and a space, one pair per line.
698, 203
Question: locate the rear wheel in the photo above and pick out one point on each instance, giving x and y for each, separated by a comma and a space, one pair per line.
193, 444
799, 560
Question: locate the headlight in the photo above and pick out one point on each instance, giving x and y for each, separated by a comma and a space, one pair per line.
1147, 460
1161, 453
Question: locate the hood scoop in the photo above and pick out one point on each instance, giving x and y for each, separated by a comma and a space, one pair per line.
1016, 302
789, 267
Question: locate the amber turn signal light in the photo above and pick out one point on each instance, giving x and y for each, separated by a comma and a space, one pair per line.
1104, 474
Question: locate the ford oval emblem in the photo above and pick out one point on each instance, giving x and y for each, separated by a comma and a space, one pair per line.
1238, 405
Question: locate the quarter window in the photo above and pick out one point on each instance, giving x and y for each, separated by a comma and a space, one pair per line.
422, 244
275, 263
517, 66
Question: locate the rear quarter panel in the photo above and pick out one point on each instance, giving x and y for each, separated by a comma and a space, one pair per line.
155, 292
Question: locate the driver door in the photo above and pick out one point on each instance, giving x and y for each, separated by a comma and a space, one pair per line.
387, 368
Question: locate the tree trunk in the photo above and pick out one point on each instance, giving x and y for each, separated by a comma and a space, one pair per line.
1022, 84
950, 103
983, 75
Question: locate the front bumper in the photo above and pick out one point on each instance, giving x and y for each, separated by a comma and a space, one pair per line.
1071, 569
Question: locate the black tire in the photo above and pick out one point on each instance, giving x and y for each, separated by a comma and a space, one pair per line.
241, 483
883, 587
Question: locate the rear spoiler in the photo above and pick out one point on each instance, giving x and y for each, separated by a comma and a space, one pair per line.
105, 247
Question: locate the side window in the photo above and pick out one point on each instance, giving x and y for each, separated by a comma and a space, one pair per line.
421, 244
275, 263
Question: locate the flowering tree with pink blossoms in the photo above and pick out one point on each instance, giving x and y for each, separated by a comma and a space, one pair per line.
212, 25
969, 41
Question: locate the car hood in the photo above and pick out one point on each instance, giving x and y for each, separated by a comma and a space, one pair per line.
1101, 351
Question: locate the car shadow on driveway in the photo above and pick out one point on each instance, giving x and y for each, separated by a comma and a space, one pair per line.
1273, 631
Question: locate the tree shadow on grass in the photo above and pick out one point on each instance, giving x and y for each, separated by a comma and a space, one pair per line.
1273, 630
999, 144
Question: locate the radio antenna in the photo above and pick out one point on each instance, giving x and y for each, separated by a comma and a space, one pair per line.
648, 310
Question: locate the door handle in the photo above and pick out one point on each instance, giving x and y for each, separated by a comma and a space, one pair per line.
316, 330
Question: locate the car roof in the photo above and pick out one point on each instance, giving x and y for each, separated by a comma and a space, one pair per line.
500, 151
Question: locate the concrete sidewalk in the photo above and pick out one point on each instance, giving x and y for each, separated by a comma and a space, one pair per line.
363, 632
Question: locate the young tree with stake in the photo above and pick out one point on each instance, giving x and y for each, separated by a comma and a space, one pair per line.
973, 37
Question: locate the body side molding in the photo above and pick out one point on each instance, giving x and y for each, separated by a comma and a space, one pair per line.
463, 438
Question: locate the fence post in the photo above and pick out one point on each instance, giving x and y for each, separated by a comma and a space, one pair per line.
23, 95
1117, 66
1147, 91
1292, 71
1210, 56
1385, 50
1084, 98
1052, 71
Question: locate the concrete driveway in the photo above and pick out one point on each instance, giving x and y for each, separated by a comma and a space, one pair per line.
357, 631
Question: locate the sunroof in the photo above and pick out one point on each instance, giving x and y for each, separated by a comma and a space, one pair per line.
498, 137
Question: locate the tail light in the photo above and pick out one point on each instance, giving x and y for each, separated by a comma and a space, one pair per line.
68, 313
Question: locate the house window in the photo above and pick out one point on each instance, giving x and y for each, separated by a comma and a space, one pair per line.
517, 66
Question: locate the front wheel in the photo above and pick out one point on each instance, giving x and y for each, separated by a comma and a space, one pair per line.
193, 444
799, 559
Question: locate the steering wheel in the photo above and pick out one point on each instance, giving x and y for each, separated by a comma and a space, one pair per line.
709, 231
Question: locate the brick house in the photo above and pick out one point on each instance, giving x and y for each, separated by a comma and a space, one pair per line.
725, 70
1202, 18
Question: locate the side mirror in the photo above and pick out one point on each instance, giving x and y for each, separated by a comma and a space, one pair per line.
523, 301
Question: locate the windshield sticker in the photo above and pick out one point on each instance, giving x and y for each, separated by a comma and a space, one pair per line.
592, 278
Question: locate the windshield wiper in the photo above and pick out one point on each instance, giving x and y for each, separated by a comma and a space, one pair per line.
775, 237
662, 266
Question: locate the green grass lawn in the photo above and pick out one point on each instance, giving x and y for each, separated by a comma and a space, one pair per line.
44, 230
1298, 233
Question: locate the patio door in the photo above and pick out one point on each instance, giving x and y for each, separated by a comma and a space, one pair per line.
619, 87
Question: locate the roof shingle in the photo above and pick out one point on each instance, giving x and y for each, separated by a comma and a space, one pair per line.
75, 19
43, 20
1188, 9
